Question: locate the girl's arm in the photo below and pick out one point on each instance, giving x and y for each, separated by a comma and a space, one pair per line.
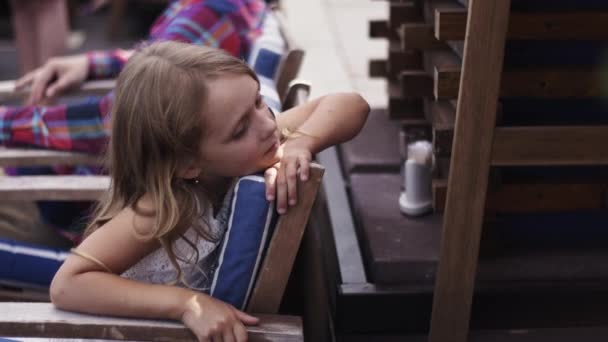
316, 125
328, 120
85, 286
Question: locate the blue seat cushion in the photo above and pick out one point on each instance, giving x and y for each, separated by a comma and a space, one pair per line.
251, 225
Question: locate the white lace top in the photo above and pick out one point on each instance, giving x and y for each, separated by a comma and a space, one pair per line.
156, 267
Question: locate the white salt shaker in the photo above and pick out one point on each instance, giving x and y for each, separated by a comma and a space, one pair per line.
417, 199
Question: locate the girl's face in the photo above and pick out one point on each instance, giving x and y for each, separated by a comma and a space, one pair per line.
241, 132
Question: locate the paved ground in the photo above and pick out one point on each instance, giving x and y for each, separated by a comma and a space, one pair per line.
334, 34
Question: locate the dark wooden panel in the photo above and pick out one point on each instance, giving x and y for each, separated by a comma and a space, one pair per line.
578, 25
535, 197
564, 145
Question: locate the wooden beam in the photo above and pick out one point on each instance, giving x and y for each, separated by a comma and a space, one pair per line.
381, 29
418, 36
275, 269
31, 157
101, 87
535, 197
55, 188
378, 68
450, 24
43, 320
416, 84
560, 145
401, 107
399, 59
475, 120
400, 13
534, 82
442, 115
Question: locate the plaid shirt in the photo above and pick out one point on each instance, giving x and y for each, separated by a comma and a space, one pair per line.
227, 24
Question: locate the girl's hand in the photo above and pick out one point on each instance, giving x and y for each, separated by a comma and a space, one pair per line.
281, 178
213, 320
54, 77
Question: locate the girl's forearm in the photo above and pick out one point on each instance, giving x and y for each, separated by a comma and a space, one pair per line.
109, 294
337, 118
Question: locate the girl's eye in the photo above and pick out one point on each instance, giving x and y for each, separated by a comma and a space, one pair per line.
241, 131
258, 101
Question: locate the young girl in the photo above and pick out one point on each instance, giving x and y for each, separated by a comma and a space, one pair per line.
187, 120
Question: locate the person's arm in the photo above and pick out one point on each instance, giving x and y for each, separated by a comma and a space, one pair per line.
326, 121
316, 125
89, 282
80, 127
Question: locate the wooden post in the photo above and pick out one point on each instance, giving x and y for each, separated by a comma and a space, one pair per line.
475, 120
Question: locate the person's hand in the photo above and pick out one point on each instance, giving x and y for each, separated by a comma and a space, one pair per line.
213, 320
281, 178
54, 77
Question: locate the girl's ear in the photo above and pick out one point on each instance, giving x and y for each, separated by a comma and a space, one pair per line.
191, 172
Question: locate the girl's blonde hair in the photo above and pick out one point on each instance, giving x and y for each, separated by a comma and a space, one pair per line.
157, 129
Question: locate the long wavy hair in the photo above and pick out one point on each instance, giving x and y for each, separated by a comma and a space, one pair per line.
156, 130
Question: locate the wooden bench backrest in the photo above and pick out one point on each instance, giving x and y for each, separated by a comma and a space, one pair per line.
43, 320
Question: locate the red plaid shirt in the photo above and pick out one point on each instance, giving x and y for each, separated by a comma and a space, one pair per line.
227, 24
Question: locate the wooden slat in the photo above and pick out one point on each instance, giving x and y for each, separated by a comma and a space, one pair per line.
400, 13
540, 83
25, 295
563, 145
475, 121
276, 267
34, 157
60, 188
102, 87
418, 36
442, 64
43, 320
381, 29
450, 25
416, 84
442, 116
378, 68
401, 107
535, 197
399, 59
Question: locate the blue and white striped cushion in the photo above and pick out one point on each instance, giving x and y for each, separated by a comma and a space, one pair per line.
265, 57
251, 224
27, 265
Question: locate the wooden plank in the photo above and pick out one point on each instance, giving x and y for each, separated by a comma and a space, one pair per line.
559, 145
444, 66
43, 320
535, 197
35, 157
23, 295
399, 59
418, 36
378, 68
534, 82
416, 84
381, 29
276, 267
401, 107
400, 13
442, 116
101, 87
59, 188
471, 151
348, 251
450, 25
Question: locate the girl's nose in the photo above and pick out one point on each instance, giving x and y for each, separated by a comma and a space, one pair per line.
269, 125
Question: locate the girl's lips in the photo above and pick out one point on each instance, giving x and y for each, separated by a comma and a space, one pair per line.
274, 147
